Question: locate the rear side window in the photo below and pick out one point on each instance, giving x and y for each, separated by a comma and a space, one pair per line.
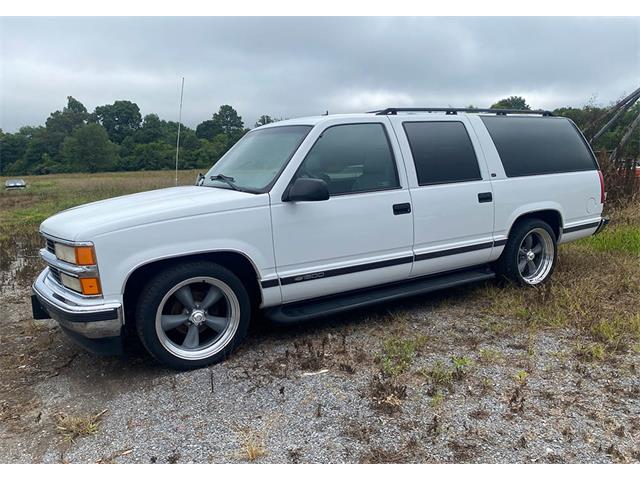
538, 146
442, 152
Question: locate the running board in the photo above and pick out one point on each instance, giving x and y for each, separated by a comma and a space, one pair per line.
309, 309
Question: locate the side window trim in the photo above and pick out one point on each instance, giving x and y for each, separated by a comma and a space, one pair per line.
413, 156
385, 130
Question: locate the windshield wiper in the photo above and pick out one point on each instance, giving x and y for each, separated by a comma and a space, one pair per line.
228, 180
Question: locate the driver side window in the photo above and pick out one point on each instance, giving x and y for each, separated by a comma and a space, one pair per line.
352, 158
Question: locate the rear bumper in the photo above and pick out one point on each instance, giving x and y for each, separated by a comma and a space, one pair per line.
604, 221
94, 324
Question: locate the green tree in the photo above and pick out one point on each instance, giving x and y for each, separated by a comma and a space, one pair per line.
71, 116
514, 102
228, 120
585, 116
120, 119
127, 146
151, 130
38, 145
150, 156
12, 148
88, 149
209, 152
60, 124
207, 130
265, 120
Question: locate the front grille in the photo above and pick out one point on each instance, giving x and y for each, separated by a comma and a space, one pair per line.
51, 246
55, 274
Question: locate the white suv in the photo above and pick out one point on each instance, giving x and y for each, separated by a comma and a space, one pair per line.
308, 217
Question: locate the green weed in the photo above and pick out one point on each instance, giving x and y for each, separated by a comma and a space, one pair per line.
398, 354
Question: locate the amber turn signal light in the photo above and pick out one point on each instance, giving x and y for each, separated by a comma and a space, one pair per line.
90, 286
85, 256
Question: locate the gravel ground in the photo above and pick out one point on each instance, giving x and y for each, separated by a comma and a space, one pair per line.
472, 388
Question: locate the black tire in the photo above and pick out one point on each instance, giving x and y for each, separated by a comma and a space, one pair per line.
155, 292
507, 264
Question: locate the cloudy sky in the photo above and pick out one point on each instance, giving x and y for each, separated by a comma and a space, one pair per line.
288, 67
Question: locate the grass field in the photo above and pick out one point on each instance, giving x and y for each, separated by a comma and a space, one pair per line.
22, 211
487, 372
596, 286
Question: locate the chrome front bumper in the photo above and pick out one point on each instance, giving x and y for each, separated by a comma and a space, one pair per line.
92, 319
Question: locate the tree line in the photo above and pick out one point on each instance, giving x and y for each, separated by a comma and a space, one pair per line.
116, 137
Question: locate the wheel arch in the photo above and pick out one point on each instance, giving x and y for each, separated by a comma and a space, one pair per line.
235, 261
552, 216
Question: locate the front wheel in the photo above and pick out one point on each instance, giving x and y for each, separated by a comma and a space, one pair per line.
530, 254
192, 315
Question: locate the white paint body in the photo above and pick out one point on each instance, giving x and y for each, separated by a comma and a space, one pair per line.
286, 239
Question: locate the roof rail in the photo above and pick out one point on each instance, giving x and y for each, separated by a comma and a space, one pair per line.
454, 111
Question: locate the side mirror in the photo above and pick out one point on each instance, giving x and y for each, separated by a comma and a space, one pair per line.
307, 190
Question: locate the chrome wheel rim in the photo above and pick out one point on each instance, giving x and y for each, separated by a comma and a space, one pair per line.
535, 256
197, 318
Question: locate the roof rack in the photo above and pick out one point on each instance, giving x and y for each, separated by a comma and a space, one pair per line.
454, 111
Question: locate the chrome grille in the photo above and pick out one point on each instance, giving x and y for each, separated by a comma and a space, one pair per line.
55, 274
51, 246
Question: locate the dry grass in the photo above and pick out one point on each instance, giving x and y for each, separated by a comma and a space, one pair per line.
489, 356
591, 352
21, 212
403, 454
439, 376
253, 438
595, 288
386, 394
252, 444
74, 426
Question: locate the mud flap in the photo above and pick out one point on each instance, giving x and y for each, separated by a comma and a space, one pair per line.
39, 312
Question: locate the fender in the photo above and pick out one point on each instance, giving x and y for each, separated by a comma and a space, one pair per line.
533, 208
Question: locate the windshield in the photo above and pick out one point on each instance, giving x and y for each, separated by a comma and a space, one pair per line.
255, 161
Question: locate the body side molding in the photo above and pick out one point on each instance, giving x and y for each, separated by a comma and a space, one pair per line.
304, 277
586, 226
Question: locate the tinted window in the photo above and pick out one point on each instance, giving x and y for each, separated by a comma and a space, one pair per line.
352, 158
536, 145
442, 152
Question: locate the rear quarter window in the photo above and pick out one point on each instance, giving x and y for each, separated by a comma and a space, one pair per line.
538, 145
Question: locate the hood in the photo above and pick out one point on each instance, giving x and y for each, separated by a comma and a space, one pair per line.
85, 222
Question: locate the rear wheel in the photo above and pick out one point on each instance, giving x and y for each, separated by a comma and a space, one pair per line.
530, 254
192, 315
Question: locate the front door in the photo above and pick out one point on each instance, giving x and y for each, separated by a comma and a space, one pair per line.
362, 235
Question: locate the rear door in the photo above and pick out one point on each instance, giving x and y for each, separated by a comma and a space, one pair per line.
452, 196
362, 235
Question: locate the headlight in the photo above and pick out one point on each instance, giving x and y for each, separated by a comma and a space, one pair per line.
81, 255
80, 273
71, 282
83, 285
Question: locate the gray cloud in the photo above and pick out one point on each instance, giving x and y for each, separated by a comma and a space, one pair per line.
289, 67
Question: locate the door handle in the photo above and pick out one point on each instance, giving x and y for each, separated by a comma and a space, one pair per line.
485, 197
401, 208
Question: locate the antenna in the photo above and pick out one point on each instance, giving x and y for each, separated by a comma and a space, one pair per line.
179, 124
